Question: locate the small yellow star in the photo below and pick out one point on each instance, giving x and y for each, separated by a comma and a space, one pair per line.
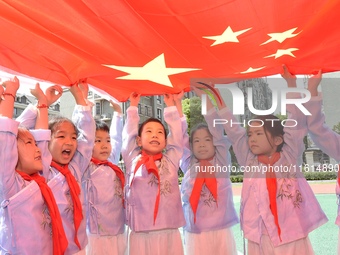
280, 37
228, 36
280, 53
251, 70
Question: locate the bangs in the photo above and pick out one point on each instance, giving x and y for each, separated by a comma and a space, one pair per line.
24, 134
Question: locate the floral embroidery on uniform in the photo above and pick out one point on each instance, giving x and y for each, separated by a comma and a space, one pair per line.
118, 188
69, 208
164, 168
166, 186
207, 197
46, 223
153, 180
298, 199
287, 189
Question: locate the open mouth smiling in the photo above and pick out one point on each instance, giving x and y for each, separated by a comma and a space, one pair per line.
67, 152
154, 142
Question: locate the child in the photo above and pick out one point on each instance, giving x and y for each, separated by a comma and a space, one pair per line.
207, 196
153, 202
324, 137
278, 208
31, 222
104, 184
70, 149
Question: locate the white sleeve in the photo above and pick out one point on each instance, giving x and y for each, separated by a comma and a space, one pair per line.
116, 137
322, 135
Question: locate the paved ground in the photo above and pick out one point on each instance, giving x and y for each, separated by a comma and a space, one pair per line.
319, 187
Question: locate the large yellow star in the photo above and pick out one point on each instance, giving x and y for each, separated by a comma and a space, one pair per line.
154, 71
228, 36
280, 37
280, 53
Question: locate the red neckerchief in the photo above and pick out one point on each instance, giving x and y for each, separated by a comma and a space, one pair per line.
59, 238
75, 192
272, 186
115, 168
149, 162
202, 177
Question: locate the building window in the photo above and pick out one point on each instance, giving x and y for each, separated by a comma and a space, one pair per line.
97, 108
159, 99
139, 109
159, 114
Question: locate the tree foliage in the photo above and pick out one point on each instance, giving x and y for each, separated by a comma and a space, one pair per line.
336, 128
192, 110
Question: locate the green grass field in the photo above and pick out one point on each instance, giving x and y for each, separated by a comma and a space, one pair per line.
324, 239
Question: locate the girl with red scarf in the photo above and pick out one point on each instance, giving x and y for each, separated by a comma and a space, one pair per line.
278, 207
31, 222
207, 194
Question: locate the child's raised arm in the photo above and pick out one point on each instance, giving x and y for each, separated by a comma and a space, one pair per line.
290, 78
134, 99
116, 130
296, 124
169, 100
83, 120
130, 132
178, 102
8, 140
7, 104
77, 93
116, 107
53, 93
42, 118
184, 163
28, 117
322, 135
313, 83
174, 145
42, 134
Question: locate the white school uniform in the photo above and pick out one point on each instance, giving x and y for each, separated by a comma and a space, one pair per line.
148, 237
25, 222
84, 122
104, 195
326, 139
299, 212
214, 219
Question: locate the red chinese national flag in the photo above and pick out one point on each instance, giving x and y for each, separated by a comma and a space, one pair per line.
156, 47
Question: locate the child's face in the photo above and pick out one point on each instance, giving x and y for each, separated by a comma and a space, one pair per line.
260, 142
102, 145
152, 139
29, 155
63, 143
202, 144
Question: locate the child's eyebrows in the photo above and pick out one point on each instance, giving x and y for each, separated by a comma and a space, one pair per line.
152, 128
66, 132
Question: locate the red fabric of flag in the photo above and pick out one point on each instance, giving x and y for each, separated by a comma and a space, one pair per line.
156, 47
